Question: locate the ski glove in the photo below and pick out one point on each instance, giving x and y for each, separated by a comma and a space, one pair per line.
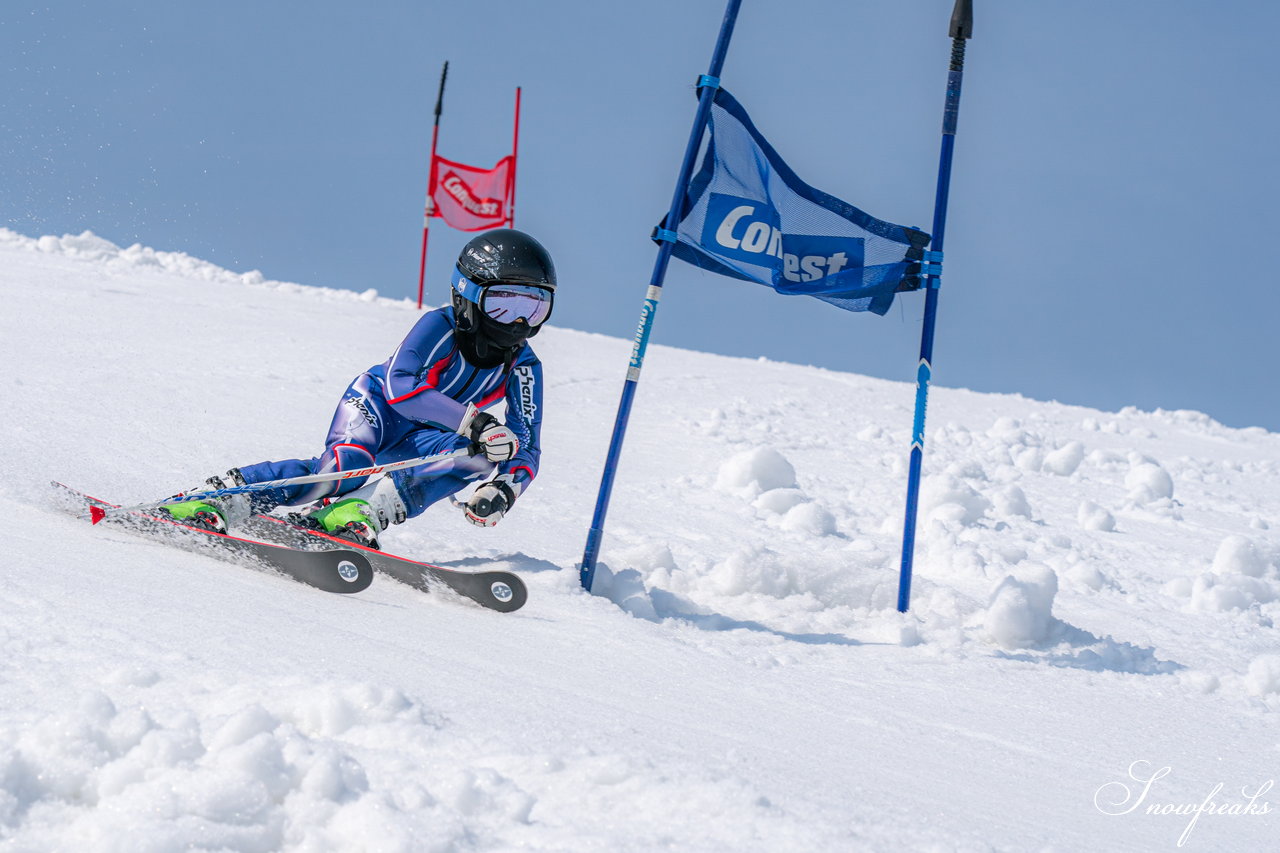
490, 435
489, 503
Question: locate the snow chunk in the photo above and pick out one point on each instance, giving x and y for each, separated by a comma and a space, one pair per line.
1148, 482
1020, 614
1029, 459
779, 500
810, 518
1090, 516
1012, 501
1239, 556
1008, 431
625, 589
1264, 675
1238, 579
1106, 459
1213, 593
947, 498
1087, 575
757, 470
1065, 460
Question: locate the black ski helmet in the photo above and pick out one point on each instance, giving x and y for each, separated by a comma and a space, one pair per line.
500, 256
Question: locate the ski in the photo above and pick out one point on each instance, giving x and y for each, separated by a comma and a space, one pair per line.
496, 590
312, 557
341, 569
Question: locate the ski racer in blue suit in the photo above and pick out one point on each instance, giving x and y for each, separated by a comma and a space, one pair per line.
429, 397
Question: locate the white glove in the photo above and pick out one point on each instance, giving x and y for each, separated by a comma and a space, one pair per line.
491, 436
489, 503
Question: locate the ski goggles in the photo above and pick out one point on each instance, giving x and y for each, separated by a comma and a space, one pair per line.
506, 303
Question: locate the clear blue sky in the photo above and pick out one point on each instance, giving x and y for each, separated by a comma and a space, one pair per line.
1112, 200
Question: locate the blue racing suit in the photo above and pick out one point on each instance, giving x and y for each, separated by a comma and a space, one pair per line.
412, 405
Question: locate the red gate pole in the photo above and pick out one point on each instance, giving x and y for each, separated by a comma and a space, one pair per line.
515, 149
429, 209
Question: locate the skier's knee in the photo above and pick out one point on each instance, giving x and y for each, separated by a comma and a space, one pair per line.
349, 456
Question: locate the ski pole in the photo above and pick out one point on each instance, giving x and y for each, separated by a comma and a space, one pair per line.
99, 513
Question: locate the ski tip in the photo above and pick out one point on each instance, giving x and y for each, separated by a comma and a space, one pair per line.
96, 514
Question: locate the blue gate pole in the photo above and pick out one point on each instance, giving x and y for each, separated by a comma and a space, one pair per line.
708, 85
961, 29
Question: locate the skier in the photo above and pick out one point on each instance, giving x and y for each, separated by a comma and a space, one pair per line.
429, 397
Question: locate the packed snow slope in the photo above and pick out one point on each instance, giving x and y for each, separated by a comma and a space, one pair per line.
1091, 654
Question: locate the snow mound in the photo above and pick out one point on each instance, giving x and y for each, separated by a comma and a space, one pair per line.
761, 469
779, 501
1242, 577
951, 500
1148, 482
281, 768
810, 519
1093, 517
1263, 678
1011, 501
1020, 614
1220, 594
1065, 460
1238, 555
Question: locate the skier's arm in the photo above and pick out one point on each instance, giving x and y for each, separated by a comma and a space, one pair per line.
524, 418
493, 499
413, 370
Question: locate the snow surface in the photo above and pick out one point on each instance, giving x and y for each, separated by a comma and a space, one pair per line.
1095, 601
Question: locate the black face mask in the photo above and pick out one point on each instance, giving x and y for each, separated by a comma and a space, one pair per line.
485, 342
505, 335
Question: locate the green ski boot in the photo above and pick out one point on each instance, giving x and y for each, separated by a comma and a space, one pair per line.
351, 519
360, 517
203, 514
212, 514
